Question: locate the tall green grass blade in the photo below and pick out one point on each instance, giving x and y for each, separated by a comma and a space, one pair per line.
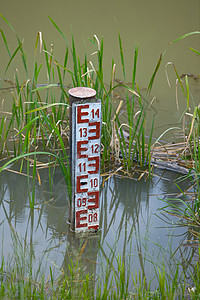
5, 42
51, 85
100, 59
80, 72
155, 72
128, 88
47, 106
24, 60
1, 128
63, 96
47, 62
134, 67
122, 56
65, 61
149, 145
136, 135
195, 51
21, 49
179, 80
74, 57
33, 184
7, 22
66, 70
184, 36
56, 26
167, 130
12, 57
188, 92
36, 42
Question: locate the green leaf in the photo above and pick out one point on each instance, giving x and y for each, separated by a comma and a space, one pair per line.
45, 87
56, 26
155, 72
184, 36
12, 57
195, 51
122, 56
46, 106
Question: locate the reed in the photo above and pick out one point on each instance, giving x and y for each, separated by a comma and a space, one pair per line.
18, 281
38, 119
189, 153
135, 148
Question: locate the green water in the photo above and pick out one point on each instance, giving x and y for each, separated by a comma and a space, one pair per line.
151, 25
131, 223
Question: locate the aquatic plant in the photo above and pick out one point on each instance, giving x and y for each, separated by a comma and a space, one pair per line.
18, 281
39, 121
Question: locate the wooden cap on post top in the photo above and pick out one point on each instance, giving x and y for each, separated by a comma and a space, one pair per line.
82, 93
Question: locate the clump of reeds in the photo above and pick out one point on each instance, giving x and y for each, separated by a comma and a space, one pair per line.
39, 116
17, 282
187, 209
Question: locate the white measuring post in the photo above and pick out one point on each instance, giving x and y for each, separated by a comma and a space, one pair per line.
85, 144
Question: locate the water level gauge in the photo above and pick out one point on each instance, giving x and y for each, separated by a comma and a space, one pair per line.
86, 145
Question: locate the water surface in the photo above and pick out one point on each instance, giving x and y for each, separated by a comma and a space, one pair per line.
131, 226
131, 222
150, 25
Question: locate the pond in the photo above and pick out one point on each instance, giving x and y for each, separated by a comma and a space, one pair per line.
132, 224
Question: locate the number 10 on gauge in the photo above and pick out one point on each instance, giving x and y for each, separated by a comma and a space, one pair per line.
86, 145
